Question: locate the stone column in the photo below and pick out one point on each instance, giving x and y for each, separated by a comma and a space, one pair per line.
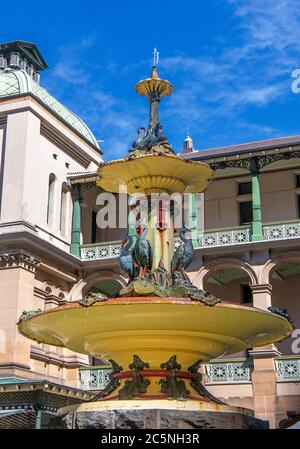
76, 222
262, 295
264, 374
257, 229
265, 399
17, 274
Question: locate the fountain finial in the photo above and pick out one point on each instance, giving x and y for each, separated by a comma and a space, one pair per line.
155, 57
153, 139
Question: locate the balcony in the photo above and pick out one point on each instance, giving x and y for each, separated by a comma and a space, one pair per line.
218, 372
209, 239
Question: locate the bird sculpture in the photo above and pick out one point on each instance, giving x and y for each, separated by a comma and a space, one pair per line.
149, 138
139, 143
282, 312
143, 253
183, 255
126, 260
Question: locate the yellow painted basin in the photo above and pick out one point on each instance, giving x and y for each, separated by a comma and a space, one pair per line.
154, 174
155, 329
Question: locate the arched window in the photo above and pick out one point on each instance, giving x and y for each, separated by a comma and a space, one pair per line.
65, 209
51, 199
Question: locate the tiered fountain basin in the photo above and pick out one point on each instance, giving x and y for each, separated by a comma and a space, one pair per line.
154, 173
155, 329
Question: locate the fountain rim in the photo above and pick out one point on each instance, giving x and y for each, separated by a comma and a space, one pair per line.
152, 300
144, 300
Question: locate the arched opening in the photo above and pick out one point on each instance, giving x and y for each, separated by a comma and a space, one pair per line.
109, 287
65, 210
285, 281
230, 280
51, 199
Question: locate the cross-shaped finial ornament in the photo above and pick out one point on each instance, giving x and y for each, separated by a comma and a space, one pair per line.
155, 57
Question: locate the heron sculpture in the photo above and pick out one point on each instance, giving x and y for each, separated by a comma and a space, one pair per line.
183, 255
126, 257
143, 253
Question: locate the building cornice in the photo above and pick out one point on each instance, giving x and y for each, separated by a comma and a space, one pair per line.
42, 248
52, 132
245, 148
50, 387
14, 366
261, 160
58, 139
52, 358
18, 259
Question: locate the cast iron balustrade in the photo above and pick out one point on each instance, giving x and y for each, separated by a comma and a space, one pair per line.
228, 372
224, 237
282, 231
211, 238
288, 368
94, 378
105, 250
220, 372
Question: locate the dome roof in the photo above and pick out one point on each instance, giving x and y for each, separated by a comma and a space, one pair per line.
18, 82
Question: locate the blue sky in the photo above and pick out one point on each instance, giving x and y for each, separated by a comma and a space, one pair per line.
229, 60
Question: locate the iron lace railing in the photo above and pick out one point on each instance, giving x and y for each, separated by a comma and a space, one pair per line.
288, 368
207, 239
229, 371
94, 377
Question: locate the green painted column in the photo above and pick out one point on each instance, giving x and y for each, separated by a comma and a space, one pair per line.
76, 223
131, 217
192, 215
257, 228
38, 419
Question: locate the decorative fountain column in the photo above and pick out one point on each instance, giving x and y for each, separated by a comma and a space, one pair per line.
161, 327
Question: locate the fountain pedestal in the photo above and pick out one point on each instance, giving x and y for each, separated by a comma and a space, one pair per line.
156, 414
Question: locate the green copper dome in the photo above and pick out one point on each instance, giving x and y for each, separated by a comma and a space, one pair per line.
18, 82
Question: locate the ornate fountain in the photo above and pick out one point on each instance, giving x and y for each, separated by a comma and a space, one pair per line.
161, 327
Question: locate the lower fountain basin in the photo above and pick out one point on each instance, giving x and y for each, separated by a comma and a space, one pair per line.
155, 329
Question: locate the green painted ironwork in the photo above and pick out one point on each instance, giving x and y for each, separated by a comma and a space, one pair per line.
76, 224
193, 218
257, 227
